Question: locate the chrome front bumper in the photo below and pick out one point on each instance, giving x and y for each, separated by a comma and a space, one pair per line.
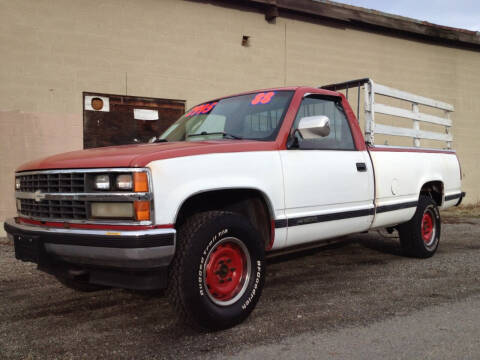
125, 250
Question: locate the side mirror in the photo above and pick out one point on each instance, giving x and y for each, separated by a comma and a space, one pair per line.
311, 127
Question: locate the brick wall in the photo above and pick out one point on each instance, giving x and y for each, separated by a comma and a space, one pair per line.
53, 51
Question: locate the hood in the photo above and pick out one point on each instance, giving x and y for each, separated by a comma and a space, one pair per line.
139, 155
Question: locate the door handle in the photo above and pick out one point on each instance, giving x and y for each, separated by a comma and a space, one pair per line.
361, 167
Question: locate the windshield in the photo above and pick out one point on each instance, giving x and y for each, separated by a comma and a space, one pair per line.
255, 116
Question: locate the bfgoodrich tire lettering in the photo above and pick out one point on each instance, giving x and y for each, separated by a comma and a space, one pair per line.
421, 235
208, 290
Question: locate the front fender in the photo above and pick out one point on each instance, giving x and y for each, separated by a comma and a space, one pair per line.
177, 179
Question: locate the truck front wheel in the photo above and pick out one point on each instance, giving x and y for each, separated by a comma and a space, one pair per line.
420, 236
218, 271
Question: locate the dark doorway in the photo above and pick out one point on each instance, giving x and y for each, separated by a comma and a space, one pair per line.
120, 119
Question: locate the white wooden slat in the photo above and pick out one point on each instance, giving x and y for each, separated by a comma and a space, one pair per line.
391, 110
419, 134
403, 95
416, 125
369, 101
434, 136
448, 129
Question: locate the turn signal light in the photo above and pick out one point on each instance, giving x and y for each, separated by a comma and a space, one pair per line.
140, 182
142, 210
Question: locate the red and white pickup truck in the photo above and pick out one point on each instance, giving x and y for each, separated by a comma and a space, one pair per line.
235, 178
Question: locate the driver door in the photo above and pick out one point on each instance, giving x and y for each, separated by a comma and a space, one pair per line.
328, 182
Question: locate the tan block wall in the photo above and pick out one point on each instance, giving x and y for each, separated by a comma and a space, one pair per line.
54, 50
25, 136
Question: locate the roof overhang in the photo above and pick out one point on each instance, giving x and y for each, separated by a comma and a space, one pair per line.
358, 16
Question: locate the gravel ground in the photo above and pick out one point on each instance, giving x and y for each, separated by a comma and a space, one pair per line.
362, 283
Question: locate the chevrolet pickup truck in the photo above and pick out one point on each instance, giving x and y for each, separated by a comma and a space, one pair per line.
197, 211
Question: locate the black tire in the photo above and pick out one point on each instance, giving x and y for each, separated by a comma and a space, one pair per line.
421, 235
79, 285
201, 242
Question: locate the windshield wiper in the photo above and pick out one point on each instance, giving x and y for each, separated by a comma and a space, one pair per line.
224, 134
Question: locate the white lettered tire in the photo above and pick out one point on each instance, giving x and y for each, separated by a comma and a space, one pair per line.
218, 271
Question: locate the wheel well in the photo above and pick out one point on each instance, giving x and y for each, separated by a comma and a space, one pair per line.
434, 189
250, 203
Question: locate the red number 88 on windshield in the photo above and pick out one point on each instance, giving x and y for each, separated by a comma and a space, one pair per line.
263, 98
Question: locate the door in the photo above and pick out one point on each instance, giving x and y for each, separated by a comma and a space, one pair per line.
328, 183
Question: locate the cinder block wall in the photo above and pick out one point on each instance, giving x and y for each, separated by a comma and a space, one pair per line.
52, 51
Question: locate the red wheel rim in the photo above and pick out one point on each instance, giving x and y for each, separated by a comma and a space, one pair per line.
427, 227
225, 271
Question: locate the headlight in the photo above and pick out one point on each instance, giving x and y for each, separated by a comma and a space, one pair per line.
17, 183
112, 210
137, 182
102, 182
124, 182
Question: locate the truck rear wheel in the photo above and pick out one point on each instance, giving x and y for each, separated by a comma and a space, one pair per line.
421, 235
218, 271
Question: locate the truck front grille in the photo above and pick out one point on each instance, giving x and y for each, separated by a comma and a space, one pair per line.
54, 209
66, 195
53, 183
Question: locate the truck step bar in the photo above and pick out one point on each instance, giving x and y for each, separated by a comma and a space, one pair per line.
371, 107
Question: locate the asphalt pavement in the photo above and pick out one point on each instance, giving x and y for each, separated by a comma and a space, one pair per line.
447, 332
359, 299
